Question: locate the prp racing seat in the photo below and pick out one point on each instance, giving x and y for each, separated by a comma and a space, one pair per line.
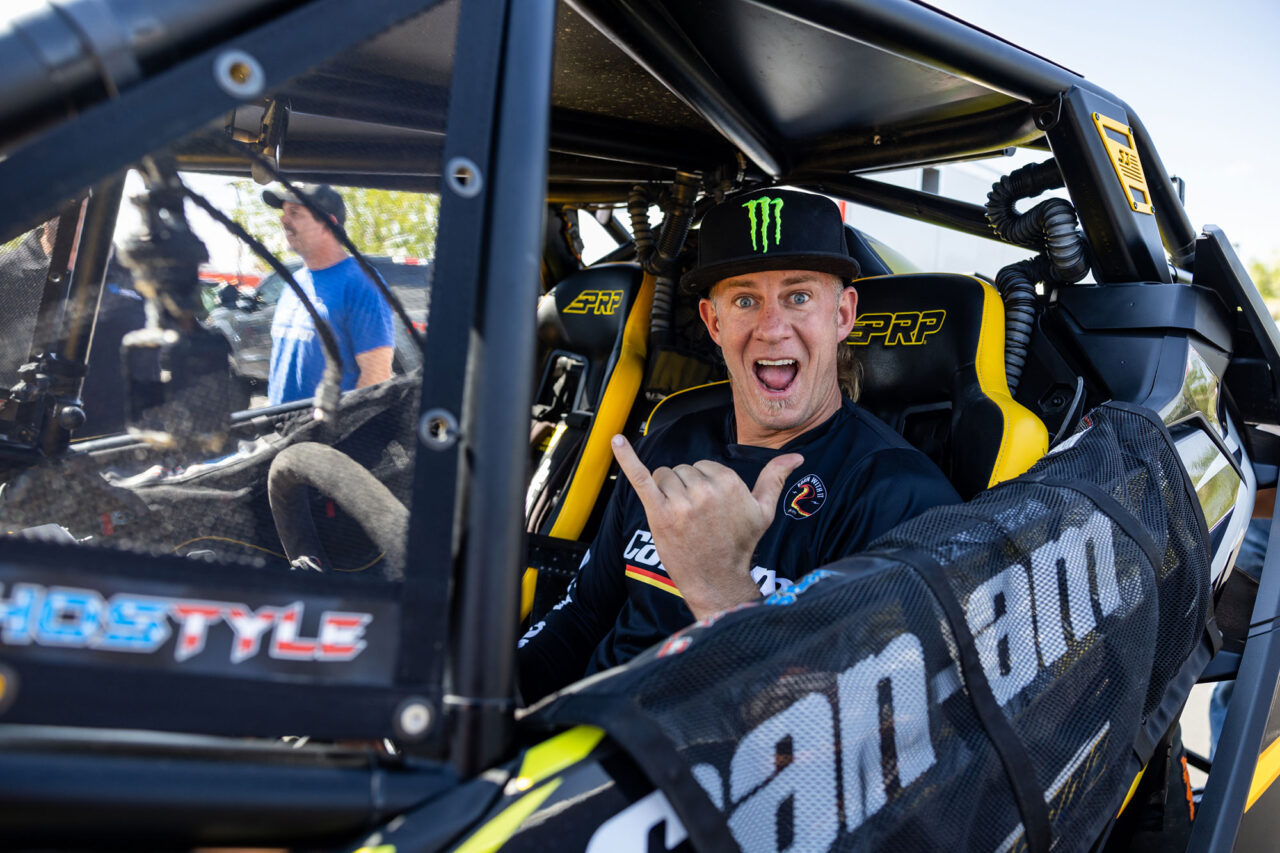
594, 326
932, 351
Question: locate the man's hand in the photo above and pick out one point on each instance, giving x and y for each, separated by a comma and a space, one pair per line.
706, 524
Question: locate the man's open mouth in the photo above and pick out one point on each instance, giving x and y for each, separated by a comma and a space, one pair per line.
776, 374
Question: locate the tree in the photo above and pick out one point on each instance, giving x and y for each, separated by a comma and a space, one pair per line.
392, 223
1266, 277
379, 222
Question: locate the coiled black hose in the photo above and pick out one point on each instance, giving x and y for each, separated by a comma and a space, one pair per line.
1026, 182
1068, 263
660, 260
664, 302
1049, 226
648, 256
684, 192
675, 228
1017, 286
638, 210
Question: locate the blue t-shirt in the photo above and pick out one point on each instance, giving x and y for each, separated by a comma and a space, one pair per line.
361, 319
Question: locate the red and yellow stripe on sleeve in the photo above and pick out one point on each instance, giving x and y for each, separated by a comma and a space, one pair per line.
653, 579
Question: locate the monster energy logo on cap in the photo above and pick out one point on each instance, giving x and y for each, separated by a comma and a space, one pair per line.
815, 238
758, 211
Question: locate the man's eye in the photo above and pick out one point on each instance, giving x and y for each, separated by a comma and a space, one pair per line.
799, 298
742, 302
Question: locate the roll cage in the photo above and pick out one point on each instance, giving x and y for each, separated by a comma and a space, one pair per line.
813, 93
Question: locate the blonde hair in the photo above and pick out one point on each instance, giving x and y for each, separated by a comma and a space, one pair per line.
848, 367
848, 371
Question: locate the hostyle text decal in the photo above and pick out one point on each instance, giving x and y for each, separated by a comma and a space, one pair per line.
72, 617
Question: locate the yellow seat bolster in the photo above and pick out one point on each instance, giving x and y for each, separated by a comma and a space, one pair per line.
1025, 437
1025, 441
621, 389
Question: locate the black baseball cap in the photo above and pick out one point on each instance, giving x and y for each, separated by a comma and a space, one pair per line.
770, 229
322, 196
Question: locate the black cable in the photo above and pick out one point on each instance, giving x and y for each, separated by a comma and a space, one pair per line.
339, 233
330, 387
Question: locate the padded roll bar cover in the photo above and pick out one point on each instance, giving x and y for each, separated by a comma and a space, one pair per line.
931, 338
617, 396
616, 399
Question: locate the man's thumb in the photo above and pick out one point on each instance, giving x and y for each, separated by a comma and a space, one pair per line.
769, 483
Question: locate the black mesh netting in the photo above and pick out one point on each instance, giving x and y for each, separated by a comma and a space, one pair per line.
983, 666
23, 267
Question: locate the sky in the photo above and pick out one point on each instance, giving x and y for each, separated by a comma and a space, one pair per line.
1203, 77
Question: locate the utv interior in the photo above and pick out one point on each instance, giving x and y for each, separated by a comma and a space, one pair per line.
295, 625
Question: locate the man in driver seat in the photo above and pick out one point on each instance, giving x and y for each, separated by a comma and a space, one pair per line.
686, 536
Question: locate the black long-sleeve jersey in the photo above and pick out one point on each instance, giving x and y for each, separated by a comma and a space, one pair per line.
859, 479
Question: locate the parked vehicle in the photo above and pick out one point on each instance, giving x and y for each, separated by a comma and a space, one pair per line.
223, 287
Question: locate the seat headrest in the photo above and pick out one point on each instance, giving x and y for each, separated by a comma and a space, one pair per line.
915, 333
585, 312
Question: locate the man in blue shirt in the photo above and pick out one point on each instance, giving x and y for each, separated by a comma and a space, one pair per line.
342, 294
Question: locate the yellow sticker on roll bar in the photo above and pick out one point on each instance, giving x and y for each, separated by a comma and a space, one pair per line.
1118, 139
